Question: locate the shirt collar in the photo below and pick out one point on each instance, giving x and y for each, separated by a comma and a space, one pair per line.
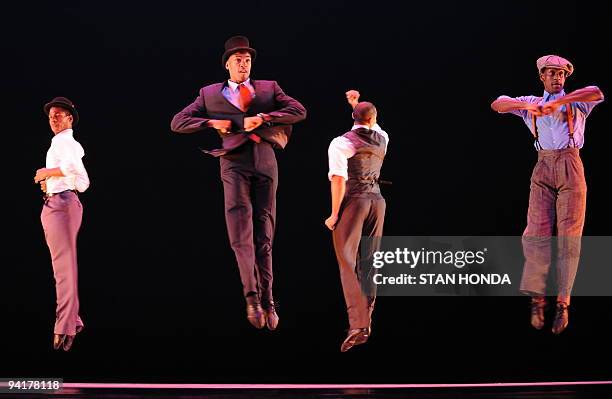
357, 126
234, 85
549, 96
65, 132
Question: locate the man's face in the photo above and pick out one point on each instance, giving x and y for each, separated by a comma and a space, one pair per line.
553, 79
59, 119
239, 66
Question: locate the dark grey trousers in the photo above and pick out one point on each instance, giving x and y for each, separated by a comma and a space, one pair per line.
250, 179
557, 200
358, 217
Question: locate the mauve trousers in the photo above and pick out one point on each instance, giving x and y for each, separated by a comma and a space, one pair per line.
358, 217
61, 220
557, 199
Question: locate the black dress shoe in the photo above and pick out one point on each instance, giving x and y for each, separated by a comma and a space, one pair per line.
356, 336
538, 306
255, 313
561, 318
58, 341
271, 315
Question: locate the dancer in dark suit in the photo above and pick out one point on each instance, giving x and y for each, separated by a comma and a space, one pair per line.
252, 117
358, 209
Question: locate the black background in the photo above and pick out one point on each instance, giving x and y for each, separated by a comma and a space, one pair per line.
160, 292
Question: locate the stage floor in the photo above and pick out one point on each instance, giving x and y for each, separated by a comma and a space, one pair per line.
552, 390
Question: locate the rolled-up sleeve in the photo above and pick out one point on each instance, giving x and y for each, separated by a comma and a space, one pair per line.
524, 99
339, 151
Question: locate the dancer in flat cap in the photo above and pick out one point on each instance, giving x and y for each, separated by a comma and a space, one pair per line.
62, 177
252, 117
357, 209
558, 188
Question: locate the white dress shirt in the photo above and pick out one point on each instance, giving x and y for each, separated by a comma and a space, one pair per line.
341, 149
66, 153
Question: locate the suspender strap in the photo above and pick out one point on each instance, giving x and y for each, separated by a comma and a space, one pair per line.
570, 124
534, 131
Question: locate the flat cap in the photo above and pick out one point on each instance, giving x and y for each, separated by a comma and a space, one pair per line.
556, 62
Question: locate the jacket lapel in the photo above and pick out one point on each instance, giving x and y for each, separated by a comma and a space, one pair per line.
259, 90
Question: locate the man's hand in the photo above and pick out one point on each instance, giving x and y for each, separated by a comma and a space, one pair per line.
41, 174
252, 122
43, 186
223, 126
550, 107
534, 109
331, 221
352, 97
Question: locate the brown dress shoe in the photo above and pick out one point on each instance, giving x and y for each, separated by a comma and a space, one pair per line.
363, 338
255, 313
58, 341
356, 336
538, 306
561, 318
271, 315
63, 341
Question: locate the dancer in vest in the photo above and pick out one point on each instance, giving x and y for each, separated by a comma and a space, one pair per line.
358, 209
252, 117
558, 188
62, 212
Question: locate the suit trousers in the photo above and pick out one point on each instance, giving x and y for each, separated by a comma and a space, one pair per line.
557, 199
250, 179
358, 217
61, 220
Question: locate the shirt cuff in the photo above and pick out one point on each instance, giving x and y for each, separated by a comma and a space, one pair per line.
265, 117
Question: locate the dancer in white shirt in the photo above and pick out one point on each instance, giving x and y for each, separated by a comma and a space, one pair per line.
63, 175
358, 209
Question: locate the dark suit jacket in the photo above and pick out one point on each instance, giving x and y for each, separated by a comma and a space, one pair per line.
269, 99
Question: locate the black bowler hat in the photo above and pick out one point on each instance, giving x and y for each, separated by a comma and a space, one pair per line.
65, 103
236, 44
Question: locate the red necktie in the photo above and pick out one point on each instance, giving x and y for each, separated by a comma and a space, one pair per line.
245, 101
245, 97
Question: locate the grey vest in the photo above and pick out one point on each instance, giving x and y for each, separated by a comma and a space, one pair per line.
364, 167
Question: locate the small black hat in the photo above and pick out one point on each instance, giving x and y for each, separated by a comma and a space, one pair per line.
235, 44
65, 103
